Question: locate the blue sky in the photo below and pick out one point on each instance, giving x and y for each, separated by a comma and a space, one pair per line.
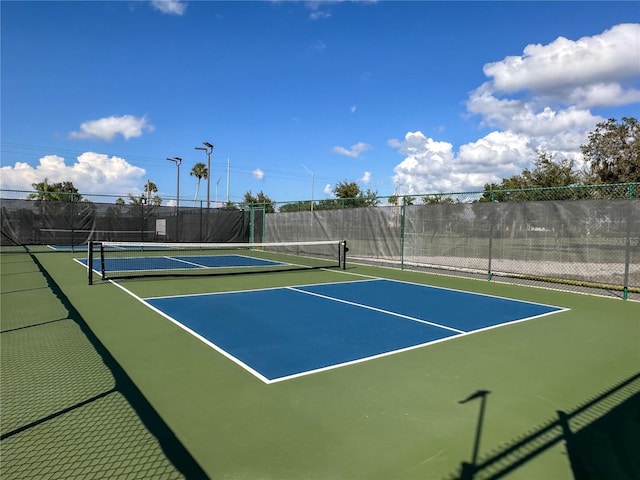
407, 97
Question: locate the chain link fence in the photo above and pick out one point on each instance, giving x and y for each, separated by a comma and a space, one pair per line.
584, 237
49, 222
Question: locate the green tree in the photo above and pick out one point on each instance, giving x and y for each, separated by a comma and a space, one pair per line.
408, 200
351, 195
44, 191
259, 199
304, 206
347, 190
229, 205
67, 192
58, 192
436, 199
154, 201
290, 207
199, 171
134, 200
329, 204
612, 153
551, 173
548, 172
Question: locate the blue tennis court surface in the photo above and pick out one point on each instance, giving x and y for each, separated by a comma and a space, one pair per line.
281, 333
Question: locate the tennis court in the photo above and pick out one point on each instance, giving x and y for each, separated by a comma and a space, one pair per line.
334, 370
313, 327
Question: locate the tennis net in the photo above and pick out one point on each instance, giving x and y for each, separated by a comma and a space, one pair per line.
117, 260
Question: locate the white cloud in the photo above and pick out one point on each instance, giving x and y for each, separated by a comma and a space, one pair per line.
427, 166
354, 151
107, 128
318, 45
353, 108
170, 7
603, 95
366, 178
540, 101
609, 57
328, 190
317, 9
320, 14
366, 76
92, 172
258, 174
496, 156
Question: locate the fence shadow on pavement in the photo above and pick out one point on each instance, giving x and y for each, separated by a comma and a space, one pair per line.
601, 437
87, 418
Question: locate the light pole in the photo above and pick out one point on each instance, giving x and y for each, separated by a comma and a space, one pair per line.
312, 183
209, 150
177, 161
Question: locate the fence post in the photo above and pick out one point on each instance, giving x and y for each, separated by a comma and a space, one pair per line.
467, 471
252, 217
627, 250
402, 234
264, 223
200, 239
73, 224
143, 220
491, 216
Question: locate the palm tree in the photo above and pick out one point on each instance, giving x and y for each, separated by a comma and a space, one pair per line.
199, 171
150, 188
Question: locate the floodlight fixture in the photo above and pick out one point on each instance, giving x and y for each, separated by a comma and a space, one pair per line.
209, 151
177, 161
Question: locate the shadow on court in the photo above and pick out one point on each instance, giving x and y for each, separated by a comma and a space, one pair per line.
69, 409
601, 438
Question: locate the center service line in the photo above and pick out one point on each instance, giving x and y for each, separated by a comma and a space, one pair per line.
368, 307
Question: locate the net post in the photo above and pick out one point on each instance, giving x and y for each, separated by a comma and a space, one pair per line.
103, 274
90, 262
344, 255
